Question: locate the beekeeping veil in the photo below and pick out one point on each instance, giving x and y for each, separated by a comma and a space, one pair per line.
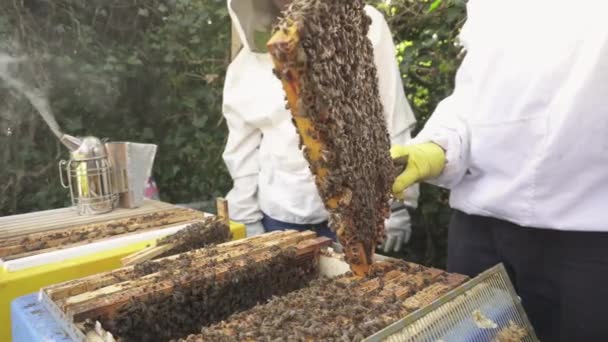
253, 20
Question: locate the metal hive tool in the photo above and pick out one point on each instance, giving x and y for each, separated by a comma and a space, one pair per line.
481, 309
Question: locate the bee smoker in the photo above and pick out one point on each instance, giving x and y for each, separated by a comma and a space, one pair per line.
89, 175
104, 175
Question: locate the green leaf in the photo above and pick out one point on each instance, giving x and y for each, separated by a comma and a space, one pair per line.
453, 14
133, 60
435, 5
200, 121
169, 58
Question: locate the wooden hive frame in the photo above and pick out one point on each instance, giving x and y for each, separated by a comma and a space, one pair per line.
283, 50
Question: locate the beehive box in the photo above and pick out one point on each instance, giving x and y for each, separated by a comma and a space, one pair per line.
44, 248
231, 282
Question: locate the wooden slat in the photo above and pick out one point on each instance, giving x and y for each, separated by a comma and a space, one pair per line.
222, 210
146, 254
455, 279
432, 292
429, 294
119, 225
403, 285
84, 242
308, 246
425, 296
24, 224
374, 283
78, 235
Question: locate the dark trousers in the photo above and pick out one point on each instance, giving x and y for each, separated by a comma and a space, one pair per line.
321, 229
562, 277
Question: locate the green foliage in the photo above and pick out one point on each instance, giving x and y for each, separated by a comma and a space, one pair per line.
137, 70
152, 71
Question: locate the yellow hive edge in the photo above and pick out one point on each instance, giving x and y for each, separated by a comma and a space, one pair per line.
23, 282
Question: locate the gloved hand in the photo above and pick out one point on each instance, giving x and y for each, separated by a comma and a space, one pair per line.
424, 161
398, 231
255, 228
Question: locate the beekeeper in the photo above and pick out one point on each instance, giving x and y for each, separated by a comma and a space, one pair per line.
273, 186
523, 145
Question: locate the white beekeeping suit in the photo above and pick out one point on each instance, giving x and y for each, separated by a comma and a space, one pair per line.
528, 112
523, 145
269, 171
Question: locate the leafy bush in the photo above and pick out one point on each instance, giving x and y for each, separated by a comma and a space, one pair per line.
138, 70
152, 71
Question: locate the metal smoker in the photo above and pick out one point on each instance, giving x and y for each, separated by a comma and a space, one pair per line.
104, 175
89, 175
100, 175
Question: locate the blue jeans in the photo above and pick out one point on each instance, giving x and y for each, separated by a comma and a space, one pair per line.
321, 229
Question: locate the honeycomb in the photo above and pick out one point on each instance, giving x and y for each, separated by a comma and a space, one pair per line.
325, 61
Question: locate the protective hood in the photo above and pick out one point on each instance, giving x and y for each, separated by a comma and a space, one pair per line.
253, 20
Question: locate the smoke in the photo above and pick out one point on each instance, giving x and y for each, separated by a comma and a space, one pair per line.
36, 97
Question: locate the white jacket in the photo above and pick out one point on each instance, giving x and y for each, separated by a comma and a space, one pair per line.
269, 171
526, 129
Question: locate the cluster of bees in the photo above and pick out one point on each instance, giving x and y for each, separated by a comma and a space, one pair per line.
336, 309
183, 261
338, 92
202, 296
209, 231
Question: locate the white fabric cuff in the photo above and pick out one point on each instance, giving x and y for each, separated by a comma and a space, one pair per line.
254, 229
243, 202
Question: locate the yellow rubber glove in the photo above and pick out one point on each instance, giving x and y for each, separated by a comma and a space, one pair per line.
424, 161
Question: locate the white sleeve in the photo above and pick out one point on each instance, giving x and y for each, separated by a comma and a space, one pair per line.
448, 126
241, 156
398, 112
